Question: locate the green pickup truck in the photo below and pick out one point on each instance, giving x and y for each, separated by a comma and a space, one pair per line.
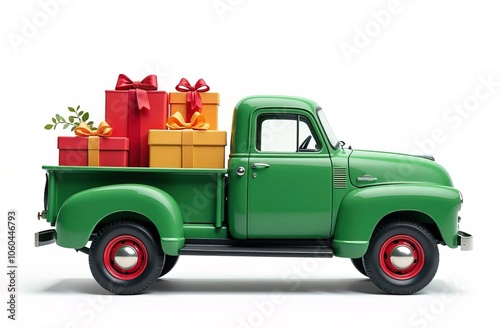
291, 189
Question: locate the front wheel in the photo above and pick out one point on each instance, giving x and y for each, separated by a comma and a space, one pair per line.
125, 257
402, 257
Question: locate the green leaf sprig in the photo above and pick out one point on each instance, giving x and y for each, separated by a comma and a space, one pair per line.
76, 117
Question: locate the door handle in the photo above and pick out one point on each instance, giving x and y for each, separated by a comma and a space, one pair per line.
260, 166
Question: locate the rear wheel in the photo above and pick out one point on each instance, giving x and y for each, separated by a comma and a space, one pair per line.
125, 257
402, 257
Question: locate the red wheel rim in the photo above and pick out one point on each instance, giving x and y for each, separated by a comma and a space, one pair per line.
407, 244
132, 244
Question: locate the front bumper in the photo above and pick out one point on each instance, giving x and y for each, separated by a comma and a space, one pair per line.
45, 237
465, 241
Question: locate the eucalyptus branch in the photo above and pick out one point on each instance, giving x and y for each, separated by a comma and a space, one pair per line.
76, 117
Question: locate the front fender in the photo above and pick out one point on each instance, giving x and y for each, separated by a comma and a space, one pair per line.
362, 209
80, 214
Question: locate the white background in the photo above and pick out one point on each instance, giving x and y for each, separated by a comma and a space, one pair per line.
394, 92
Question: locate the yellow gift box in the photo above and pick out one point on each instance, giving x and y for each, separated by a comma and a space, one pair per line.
187, 148
210, 108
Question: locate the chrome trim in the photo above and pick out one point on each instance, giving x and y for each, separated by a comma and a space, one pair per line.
45, 237
465, 241
240, 171
340, 177
366, 177
260, 166
126, 257
402, 257
42, 215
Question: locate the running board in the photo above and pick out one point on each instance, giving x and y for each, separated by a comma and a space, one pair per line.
252, 250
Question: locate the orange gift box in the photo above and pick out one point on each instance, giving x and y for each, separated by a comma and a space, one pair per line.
187, 148
210, 108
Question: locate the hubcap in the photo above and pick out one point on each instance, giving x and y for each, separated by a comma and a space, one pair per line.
402, 257
126, 257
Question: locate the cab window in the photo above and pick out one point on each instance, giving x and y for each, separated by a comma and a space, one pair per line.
287, 133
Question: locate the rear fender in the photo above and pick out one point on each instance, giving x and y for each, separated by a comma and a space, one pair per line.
82, 212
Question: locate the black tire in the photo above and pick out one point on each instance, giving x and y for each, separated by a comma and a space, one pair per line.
358, 264
170, 262
420, 257
138, 241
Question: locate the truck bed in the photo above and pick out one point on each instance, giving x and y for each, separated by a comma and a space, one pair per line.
200, 193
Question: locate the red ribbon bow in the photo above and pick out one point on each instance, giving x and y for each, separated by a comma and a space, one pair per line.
193, 98
137, 89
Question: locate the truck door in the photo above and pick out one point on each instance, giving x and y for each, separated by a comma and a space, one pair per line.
290, 178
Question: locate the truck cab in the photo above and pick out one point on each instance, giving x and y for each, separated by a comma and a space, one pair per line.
291, 188
281, 169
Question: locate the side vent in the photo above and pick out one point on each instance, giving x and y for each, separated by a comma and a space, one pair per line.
340, 177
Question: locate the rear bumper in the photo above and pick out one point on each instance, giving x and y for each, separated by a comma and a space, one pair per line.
45, 237
465, 241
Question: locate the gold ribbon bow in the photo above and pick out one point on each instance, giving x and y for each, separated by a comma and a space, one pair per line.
198, 122
83, 130
104, 130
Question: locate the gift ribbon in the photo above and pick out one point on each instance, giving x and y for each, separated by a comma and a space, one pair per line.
137, 90
83, 130
104, 130
193, 97
198, 122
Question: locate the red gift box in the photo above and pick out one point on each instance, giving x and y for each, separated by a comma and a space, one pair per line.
132, 110
77, 151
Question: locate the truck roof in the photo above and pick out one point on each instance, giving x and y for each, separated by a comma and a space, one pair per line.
245, 108
251, 103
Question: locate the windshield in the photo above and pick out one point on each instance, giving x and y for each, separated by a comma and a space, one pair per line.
326, 127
